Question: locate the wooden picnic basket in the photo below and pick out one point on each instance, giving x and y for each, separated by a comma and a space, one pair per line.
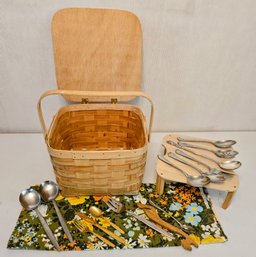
98, 143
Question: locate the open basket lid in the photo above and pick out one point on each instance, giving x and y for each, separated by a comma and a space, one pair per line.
97, 50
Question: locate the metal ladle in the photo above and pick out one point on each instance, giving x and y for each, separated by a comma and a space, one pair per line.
210, 169
196, 181
215, 178
225, 165
49, 191
218, 143
220, 153
30, 200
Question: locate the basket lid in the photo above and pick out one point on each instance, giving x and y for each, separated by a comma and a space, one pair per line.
97, 50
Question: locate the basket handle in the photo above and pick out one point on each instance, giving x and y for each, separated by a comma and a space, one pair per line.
84, 94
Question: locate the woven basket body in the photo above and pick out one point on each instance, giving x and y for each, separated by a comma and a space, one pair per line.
98, 149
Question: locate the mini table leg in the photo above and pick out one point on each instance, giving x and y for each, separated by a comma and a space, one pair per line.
160, 185
228, 200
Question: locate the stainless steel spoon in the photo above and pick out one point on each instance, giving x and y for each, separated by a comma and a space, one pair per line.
219, 143
49, 191
215, 178
196, 181
30, 200
186, 228
220, 153
226, 165
210, 169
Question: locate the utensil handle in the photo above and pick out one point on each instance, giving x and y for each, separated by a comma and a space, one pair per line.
47, 230
62, 221
194, 140
175, 157
172, 165
103, 239
110, 233
191, 158
150, 224
196, 147
160, 209
116, 227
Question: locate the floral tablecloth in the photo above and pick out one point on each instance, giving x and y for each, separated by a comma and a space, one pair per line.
187, 204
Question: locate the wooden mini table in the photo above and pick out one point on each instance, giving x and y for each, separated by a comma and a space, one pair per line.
167, 173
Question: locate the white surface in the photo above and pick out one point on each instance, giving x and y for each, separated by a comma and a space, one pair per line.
199, 61
25, 161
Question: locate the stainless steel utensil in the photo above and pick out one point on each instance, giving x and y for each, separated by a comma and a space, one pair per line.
210, 169
220, 153
225, 165
215, 178
49, 191
218, 143
184, 227
196, 181
30, 200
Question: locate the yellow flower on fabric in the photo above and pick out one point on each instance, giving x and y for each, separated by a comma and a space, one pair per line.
105, 222
211, 239
27, 239
59, 197
76, 200
195, 238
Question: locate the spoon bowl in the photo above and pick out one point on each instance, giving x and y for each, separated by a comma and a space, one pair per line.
29, 199
230, 165
95, 211
48, 190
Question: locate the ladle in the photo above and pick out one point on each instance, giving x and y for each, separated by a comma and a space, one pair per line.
210, 169
225, 165
218, 143
215, 178
49, 191
96, 212
220, 153
196, 181
30, 200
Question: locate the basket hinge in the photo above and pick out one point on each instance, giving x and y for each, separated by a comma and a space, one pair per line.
85, 100
114, 100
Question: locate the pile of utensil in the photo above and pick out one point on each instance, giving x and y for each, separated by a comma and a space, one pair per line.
30, 199
182, 154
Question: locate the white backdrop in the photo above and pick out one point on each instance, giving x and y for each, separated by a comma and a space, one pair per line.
199, 61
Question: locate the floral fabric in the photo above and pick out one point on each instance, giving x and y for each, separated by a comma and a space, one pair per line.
183, 202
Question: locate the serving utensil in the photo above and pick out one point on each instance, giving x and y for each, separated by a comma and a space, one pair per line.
215, 178
49, 191
218, 143
30, 200
83, 228
229, 154
96, 212
118, 207
185, 228
225, 165
94, 223
210, 169
196, 181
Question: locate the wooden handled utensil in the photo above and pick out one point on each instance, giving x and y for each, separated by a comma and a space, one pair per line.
110, 233
151, 212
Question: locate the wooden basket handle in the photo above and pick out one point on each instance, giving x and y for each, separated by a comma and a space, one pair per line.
86, 94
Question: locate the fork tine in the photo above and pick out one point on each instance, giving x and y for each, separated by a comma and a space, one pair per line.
110, 205
78, 225
115, 202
